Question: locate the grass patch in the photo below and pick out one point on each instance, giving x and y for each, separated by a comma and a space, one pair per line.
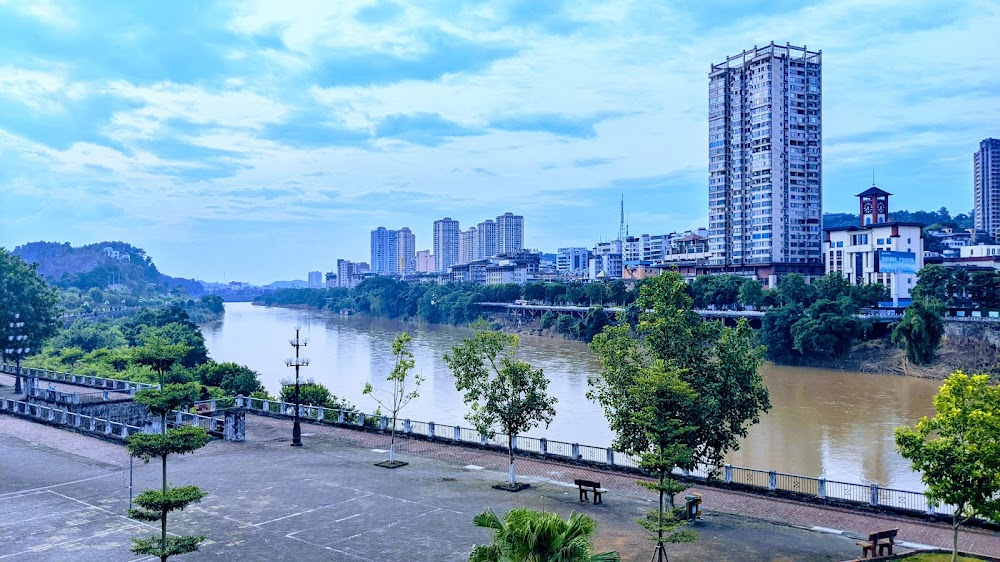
935, 557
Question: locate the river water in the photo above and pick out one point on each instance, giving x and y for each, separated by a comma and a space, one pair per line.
822, 423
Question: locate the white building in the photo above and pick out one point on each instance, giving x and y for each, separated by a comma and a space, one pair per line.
486, 241
446, 234
315, 279
425, 262
497, 274
605, 266
385, 260
468, 243
986, 174
510, 233
345, 273
980, 251
877, 251
765, 161
570, 261
406, 251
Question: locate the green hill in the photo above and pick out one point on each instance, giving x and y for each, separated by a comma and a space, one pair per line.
101, 265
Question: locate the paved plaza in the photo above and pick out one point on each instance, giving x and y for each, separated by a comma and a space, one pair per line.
63, 496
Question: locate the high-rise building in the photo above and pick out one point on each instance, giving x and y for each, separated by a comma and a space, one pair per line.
384, 252
315, 279
345, 273
425, 262
765, 162
510, 233
467, 245
987, 188
572, 260
406, 251
446, 233
486, 245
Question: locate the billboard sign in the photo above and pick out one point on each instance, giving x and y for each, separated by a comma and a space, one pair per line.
897, 262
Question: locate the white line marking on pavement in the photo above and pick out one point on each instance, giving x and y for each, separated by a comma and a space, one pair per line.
472, 467
346, 518
916, 545
380, 450
44, 488
330, 548
44, 547
828, 530
42, 517
311, 510
108, 511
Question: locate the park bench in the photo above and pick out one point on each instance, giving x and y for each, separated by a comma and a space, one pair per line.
203, 408
587, 486
881, 540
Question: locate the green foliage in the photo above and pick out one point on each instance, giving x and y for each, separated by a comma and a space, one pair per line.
503, 392
175, 546
155, 502
169, 398
159, 354
185, 334
232, 378
548, 320
921, 329
567, 325
957, 452
24, 292
984, 289
89, 336
720, 365
313, 394
828, 328
213, 303
592, 324
751, 293
721, 291
525, 535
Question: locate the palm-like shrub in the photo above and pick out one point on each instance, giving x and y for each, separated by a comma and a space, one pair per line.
525, 535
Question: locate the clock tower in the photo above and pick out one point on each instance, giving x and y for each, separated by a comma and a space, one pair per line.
874, 206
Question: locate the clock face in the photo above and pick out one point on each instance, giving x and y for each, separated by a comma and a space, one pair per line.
881, 206
868, 206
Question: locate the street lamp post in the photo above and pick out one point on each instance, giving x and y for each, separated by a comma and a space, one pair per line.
297, 362
17, 347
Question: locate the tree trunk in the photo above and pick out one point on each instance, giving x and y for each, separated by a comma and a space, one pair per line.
392, 441
510, 451
954, 536
659, 523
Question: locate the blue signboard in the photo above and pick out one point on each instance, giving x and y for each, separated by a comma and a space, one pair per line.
897, 262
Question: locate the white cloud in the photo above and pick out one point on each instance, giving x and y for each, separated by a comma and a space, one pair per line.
47, 11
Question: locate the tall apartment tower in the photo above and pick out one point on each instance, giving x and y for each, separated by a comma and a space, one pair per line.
765, 162
486, 246
384, 252
987, 189
406, 251
467, 245
446, 233
510, 233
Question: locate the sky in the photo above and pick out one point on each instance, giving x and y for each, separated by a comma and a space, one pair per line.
259, 140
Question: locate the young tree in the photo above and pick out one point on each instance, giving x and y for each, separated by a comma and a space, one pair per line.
525, 535
720, 364
504, 393
957, 452
25, 299
154, 505
400, 395
920, 330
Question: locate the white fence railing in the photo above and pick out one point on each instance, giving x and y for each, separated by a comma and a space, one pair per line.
766, 480
80, 422
82, 380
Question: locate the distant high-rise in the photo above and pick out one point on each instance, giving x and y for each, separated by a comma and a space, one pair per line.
425, 262
467, 245
987, 187
510, 233
765, 161
406, 251
486, 245
446, 233
345, 273
315, 279
384, 252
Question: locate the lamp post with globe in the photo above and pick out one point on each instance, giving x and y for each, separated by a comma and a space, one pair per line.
297, 362
17, 347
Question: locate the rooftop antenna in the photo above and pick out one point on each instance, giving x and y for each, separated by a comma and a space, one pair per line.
873, 177
621, 226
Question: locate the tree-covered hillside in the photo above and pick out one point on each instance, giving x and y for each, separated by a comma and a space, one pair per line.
101, 265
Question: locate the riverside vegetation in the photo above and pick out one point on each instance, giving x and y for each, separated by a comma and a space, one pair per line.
814, 324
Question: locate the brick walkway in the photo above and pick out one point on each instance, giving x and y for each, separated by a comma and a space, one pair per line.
852, 523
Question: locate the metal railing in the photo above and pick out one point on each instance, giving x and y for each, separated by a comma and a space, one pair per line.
765, 480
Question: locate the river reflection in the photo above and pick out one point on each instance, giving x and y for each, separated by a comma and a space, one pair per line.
823, 422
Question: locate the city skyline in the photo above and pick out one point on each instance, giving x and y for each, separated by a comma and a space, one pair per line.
225, 147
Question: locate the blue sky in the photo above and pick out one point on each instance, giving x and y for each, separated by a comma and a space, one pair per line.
259, 140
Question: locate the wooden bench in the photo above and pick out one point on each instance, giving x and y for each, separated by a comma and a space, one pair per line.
587, 486
203, 408
881, 540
